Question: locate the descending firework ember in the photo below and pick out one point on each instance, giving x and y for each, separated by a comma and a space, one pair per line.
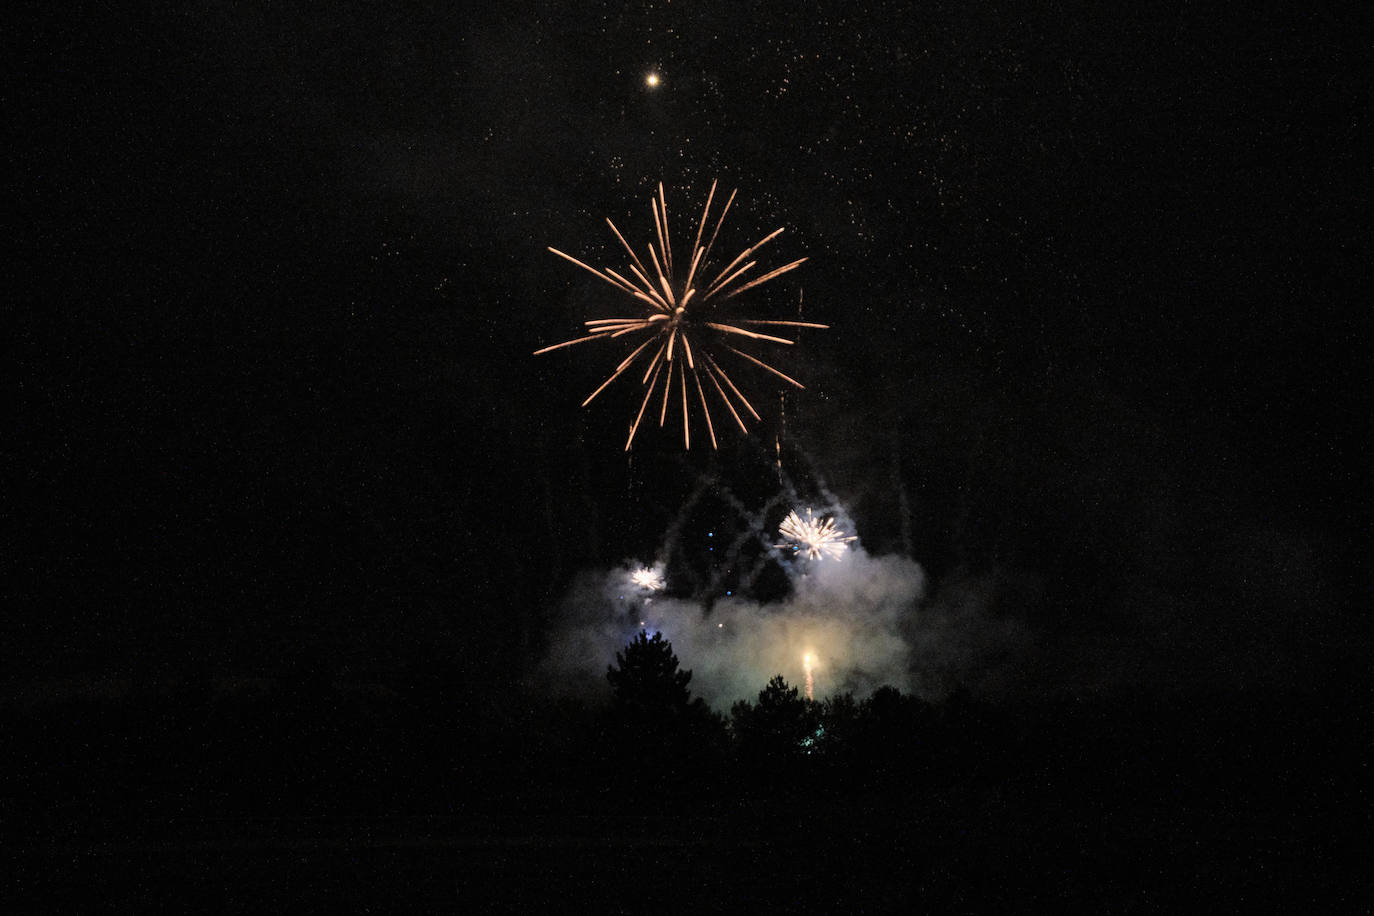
817, 538
680, 308
647, 579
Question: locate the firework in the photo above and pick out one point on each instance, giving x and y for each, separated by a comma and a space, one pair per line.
817, 538
682, 336
651, 580
808, 661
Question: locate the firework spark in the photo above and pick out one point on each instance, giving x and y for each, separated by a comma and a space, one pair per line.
809, 662
817, 538
648, 579
664, 289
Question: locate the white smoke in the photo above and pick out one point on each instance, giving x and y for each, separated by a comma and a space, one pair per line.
849, 614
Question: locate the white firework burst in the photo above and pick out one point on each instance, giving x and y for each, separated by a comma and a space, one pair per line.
817, 538
651, 580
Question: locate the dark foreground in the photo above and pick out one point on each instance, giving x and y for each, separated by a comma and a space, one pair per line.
253, 805
987, 854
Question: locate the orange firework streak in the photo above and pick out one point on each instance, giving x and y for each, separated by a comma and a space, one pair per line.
679, 332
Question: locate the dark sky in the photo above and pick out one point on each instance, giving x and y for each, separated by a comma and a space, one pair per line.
1096, 285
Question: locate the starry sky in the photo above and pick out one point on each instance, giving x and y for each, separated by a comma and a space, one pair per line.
1094, 282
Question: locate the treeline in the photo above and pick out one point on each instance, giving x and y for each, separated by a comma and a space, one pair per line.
316, 746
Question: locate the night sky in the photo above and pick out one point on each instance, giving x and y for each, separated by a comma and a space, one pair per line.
1096, 284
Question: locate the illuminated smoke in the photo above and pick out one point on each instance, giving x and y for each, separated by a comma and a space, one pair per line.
850, 617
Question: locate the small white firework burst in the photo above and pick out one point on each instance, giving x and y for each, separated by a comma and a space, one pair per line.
651, 580
817, 538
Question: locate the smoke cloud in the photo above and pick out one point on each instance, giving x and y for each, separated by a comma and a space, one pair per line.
849, 613
1181, 609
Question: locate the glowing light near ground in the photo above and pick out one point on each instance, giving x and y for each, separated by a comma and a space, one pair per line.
809, 662
817, 538
664, 288
647, 579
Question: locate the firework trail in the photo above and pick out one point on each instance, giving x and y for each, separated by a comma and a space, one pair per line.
681, 345
672, 538
817, 538
736, 561
752, 530
807, 661
751, 533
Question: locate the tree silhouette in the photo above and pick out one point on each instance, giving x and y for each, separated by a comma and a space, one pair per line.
894, 729
841, 721
778, 727
670, 739
646, 681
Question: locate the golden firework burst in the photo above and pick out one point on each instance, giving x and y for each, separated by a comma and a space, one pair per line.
680, 315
